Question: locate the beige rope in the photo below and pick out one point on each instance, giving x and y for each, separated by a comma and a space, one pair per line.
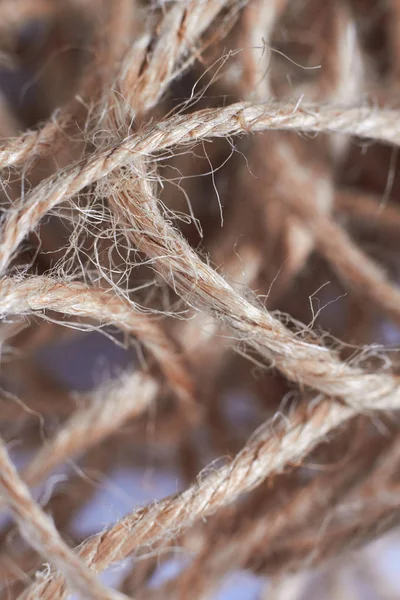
136, 151
262, 456
39, 531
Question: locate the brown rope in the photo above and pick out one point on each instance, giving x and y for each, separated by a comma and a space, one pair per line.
201, 172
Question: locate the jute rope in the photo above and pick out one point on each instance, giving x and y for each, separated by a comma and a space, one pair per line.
210, 171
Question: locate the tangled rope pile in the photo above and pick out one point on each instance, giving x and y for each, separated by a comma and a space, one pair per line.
212, 184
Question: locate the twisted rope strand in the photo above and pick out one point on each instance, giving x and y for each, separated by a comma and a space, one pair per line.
261, 457
111, 406
378, 124
36, 294
39, 531
308, 364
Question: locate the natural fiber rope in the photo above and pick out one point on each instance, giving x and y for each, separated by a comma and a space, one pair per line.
100, 237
